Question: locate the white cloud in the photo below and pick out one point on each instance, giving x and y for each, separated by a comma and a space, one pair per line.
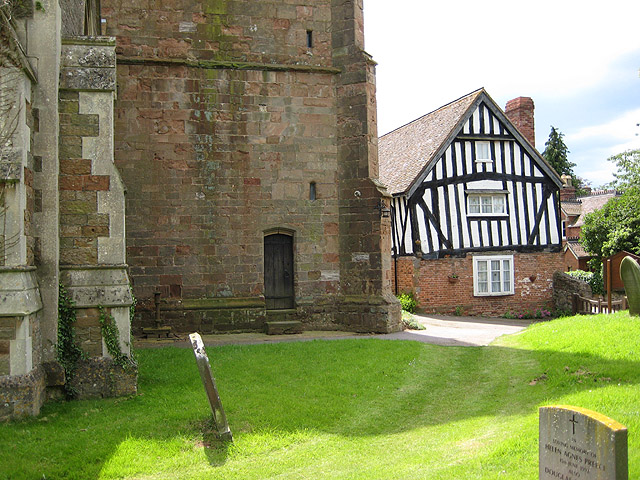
622, 129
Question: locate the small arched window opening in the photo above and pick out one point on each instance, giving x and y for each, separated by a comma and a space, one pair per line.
313, 194
309, 38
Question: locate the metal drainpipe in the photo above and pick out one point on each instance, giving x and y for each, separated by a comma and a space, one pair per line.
395, 270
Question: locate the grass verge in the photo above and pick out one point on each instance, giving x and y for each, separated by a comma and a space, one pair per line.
345, 409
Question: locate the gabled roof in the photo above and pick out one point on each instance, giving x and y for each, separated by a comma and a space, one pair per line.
577, 249
581, 206
407, 154
571, 208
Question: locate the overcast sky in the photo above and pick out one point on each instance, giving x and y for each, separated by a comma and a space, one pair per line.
578, 60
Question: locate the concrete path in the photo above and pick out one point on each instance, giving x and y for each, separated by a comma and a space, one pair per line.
461, 331
440, 330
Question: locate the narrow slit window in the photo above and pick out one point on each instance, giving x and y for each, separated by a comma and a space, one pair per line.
309, 38
312, 191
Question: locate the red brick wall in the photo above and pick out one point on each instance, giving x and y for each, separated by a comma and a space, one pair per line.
570, 262
437, 291
573, 232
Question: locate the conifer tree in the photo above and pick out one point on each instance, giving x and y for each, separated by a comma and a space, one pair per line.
556, 153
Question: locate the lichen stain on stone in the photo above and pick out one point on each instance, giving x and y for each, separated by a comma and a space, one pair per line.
216, 7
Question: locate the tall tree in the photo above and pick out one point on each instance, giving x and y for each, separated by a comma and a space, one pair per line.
628, 174
556, 153
615, 227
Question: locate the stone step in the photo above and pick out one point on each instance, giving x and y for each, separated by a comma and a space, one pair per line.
284, 327
156, 332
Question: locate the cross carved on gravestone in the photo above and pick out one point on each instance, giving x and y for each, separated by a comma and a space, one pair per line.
596, 450
574, 421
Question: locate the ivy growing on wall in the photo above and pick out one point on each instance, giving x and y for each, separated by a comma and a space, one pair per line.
68, 352
111, 337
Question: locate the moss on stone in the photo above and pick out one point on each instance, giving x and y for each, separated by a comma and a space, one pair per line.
216, 7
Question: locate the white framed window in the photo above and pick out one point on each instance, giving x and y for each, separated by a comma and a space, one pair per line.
493, 275
483, 152
564, 229
487, 204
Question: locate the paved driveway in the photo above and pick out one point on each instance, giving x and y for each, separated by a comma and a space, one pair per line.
440, 330
460, 331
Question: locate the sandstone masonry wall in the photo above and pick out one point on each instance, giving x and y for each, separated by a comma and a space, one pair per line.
227, 113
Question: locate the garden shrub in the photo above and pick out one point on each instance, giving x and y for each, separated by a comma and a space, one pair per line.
408, 302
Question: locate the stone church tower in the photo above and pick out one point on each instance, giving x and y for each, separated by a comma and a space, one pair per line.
245, 133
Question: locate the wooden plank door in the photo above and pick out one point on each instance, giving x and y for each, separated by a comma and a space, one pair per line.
278, 271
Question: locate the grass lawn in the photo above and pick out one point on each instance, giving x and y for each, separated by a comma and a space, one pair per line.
345, 409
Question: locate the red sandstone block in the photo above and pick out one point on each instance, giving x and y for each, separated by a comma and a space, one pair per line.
331, 228
95, 231
70, 182
170, 279
96, 182
252, 181
75, 166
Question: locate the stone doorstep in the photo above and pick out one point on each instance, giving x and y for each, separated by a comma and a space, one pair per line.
157, 332
284, 327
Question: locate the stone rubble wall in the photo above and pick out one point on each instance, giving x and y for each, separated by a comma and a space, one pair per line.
564, 287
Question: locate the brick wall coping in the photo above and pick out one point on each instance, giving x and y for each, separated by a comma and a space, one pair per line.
216, 64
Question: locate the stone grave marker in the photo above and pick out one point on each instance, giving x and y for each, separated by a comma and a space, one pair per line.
579, 444
219, 418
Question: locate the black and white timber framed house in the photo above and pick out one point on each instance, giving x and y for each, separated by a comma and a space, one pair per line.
471, 195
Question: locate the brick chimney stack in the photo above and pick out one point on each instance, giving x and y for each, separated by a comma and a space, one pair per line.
520, 112
568, 191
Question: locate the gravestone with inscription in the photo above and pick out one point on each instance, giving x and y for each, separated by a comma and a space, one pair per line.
219, 418
578, 444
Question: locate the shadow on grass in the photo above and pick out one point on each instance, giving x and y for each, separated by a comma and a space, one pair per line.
351, 388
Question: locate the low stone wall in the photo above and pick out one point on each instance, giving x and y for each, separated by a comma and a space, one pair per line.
564, 286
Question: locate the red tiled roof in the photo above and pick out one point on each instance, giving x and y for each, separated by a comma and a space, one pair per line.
578, 250
581, 206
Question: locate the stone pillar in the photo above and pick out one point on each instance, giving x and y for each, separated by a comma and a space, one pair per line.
92, 245
365, 249
21, 377
46, 49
